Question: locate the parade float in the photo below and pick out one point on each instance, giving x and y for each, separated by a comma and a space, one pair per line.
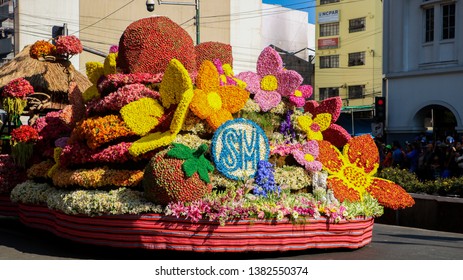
169, 149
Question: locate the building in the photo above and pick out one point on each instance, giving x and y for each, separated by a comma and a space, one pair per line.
423, 69
6, 31
348, 55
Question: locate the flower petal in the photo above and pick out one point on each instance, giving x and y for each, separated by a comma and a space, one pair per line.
306, 90
208, 77
252, 81
330, 105
267, 100
323, 120
175, 82
233, 98
199, 105
337, 135
330, 157
341, 190
362, 152
269, 62
218, 118
390, 194
288, 82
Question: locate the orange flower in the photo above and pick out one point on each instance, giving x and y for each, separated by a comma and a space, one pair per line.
351, 173
213, 102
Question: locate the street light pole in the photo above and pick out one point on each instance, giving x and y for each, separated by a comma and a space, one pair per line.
195, 4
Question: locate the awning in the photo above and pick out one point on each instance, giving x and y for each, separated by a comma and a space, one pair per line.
349, 109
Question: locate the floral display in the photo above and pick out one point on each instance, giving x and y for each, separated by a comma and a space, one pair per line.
213, 102
112, 82
41, 49
18, 88
10, 174
237, 147
168, 128
333, 133
271, 81
113, 102
96, 178
68, 46
212, 51
351, 173
137, 54
300, 95
100, 130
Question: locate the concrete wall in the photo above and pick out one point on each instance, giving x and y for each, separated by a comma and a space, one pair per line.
34, 21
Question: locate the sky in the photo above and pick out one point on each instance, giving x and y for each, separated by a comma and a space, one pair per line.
308, 6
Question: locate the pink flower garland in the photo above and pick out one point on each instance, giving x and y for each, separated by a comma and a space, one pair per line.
123, 96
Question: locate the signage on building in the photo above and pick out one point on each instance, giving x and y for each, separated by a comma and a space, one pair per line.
328, 16
328, 43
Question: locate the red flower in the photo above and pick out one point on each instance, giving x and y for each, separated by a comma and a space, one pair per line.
24, 134
18, 88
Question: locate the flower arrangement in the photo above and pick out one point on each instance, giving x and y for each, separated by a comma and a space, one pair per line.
23, 139
94, 70
213, 51
68, 46
113, 82
109, 66
351, 173
96, 178
300, 95
41, 49
271, 81
142, 115
10, 174
18, 88
24, 134
213, 102
100, 130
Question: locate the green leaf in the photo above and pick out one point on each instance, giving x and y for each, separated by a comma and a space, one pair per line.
180, 151
206, 163
190, 166
203, 174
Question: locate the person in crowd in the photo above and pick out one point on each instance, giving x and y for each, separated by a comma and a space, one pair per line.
387, 161
398, 155
413, 154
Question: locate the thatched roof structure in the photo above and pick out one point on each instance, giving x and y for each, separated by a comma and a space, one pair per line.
50, 77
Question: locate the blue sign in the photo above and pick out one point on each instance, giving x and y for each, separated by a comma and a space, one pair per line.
237, 146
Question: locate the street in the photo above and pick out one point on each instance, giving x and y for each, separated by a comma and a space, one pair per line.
18, 242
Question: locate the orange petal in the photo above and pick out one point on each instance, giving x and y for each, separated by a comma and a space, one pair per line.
233, 98
208, 77
200, 106
218, 118
389, 194
330, 157
362, 151
341, 190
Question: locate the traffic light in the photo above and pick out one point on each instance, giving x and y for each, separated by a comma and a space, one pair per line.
380, 109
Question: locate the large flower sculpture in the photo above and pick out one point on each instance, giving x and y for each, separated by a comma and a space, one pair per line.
271, 81
351, 173
213, 102
299, 96
315, 126
333, 133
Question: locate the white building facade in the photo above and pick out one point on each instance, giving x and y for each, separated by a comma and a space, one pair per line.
423, 68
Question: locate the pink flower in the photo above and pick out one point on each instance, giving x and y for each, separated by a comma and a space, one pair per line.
299, 96
114, 49
306, 156
68, 45
271, 81
18, 88
335, 134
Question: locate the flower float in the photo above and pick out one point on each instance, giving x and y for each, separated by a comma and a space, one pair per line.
351, 173
330, 131
271, 81
300, 95
213, 102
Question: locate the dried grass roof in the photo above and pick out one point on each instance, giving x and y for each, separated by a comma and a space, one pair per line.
45, 76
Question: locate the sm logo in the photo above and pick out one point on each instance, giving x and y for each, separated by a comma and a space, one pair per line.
237, 146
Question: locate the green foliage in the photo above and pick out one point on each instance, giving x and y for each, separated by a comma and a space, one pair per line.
411, 183
265, 120
194, 160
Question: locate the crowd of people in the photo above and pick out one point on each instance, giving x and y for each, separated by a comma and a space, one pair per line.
427, 159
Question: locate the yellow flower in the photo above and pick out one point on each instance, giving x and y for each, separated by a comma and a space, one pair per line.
90, 93
314, 127
177, 89
213, 102
110, 64
143, 115
94, 71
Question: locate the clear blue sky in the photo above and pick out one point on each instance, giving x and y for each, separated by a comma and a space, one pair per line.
307, 6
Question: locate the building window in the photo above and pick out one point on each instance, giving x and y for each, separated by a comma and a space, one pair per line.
356, 25
356, 91
329, 61
329, 29
323, 2
357, 58
429, 28
448, 21
328, 92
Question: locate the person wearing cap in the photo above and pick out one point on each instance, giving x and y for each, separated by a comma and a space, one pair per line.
387, 162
